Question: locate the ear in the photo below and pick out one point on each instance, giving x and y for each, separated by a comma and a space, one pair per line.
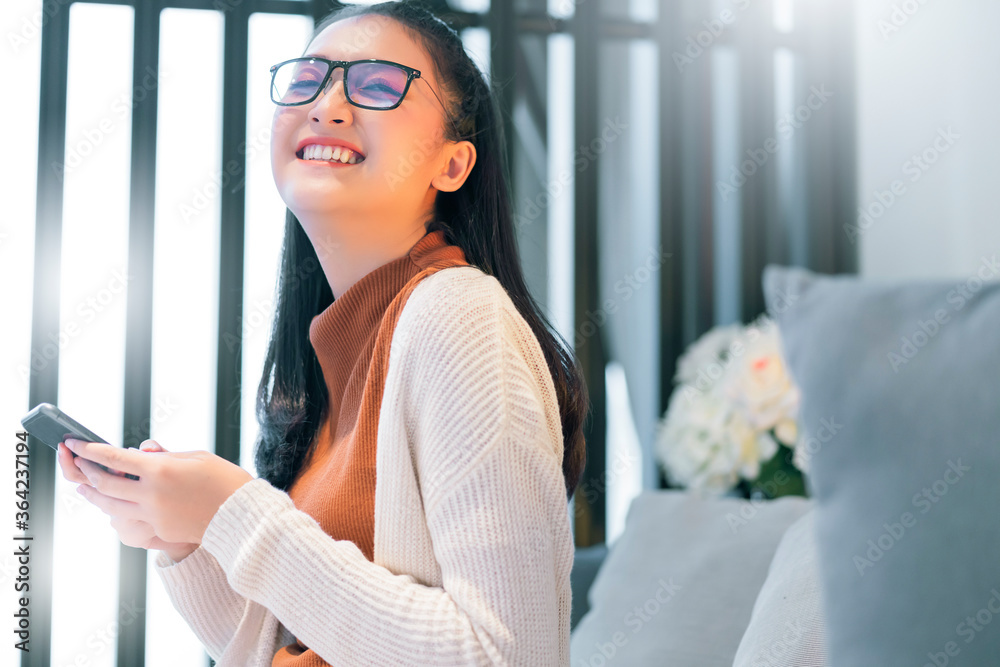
461, 157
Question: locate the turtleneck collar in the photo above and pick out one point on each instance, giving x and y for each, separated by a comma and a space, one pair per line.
343, 334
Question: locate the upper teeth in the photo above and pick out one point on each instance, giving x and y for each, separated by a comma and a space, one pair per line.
335, 153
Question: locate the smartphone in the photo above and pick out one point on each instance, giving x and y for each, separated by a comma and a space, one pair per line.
52, 426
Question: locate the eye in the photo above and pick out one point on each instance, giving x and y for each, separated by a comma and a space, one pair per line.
380, 84
305, 74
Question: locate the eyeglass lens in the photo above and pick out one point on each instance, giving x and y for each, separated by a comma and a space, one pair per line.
371, 84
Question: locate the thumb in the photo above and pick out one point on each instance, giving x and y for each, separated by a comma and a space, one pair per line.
151, 446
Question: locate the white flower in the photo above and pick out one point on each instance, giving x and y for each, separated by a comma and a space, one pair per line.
753, 446
759, 384
693, 444
787, 431
705, 361
732, 390
704, 444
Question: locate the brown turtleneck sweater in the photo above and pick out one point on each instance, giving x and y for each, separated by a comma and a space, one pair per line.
336, 484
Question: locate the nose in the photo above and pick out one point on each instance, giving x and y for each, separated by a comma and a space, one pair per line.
327, 102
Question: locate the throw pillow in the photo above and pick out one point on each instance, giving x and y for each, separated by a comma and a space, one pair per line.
900, 416
786, 626
679, 583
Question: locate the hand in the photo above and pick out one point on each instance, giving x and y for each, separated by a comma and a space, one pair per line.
177, 493
176, 550
132, 532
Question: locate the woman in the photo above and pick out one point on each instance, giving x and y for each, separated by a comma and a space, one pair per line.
449, 542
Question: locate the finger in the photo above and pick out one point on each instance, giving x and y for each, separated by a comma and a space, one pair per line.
141, 533
69, 469
133, 533
69, 466
157, 543
107, 483
110, 506
117, 458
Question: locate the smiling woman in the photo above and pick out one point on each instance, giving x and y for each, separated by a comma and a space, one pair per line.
420, 423
371, 214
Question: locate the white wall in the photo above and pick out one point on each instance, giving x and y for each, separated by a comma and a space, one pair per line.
939, 69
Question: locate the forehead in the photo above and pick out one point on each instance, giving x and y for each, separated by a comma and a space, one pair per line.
369, 36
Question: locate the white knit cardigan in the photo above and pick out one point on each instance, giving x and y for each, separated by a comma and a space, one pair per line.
473, 543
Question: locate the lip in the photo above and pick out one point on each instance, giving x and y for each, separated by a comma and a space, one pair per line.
327, 141
326, 163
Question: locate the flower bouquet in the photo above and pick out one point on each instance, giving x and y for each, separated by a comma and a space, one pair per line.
730, 426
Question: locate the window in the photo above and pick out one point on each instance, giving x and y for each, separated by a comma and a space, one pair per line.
642, 218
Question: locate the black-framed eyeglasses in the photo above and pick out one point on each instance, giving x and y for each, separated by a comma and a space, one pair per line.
369, 84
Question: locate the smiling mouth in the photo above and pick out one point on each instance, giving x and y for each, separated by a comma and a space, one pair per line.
332, 160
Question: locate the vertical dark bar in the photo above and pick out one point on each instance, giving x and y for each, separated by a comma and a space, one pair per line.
827, 39
233, 205
529, 168
829, 137
502, 22
43, 380
778, 235
669, 37
139, 313
697, 183
819, 147
844, 136
590, 506
755, 41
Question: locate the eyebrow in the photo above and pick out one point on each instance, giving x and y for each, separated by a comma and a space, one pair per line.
320, 55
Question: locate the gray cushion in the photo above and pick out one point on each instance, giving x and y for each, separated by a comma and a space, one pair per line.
678, 585
787, 626
900, 412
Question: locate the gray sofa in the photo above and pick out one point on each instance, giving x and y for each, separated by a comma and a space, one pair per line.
895, 557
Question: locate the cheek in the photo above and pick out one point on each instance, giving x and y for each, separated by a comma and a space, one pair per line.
422, 149
283, 116
282, 148
410, 158
283, 124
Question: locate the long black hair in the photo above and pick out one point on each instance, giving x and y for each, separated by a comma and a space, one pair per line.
478, 218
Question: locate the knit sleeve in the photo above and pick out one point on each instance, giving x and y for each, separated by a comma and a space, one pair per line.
490, 474
223, 620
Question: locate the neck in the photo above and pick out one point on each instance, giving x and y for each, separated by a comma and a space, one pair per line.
348, 251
